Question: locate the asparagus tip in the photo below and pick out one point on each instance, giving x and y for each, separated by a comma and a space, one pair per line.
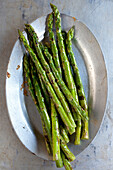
19, 31
50, 14
70, 33
26, 25
20, 34
52, 6
73, 27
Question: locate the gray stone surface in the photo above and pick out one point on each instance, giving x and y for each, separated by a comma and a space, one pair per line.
98, 16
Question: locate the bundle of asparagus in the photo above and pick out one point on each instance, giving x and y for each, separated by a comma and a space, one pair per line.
43, 68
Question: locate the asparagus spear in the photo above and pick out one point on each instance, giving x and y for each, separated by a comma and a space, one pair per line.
66, 150
53, 44
49, 73
29, 37
59, 163
70, 53
78, 129
56, 60
67, 164
66, 66
53, 47
40, 99
51, 92
65, 90
64, 35
63, 131
55, 133
46, 137
30, 85
77, 118
65, 63
46, 96
64, 134
45, 93
80, 89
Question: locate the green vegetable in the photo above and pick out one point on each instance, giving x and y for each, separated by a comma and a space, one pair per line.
56, 137
51, 92
50, 75
54, 89
55, 133
41, 102
59, 163
56, 60
53, 44
70, 51
80, 89
64, 134
67, 164
65, 63
45, 93
66, 150
46, 137
31, 90
63, 87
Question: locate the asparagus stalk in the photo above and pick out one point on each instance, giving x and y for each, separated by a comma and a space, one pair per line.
63, 131
53, 44
50, 74
77, 118
53, 47
67, 164
56, 60
46, 95
65, 63
66, 66
29, 37
64, 134
46, 137
31, 90
70, 52
80, 89
40, 99
78, 131
59, 163
51, 92
55, 133
64, 35
63, 87
66, 150
41, 45
67, 70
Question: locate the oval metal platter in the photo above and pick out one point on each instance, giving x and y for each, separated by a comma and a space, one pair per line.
22, 111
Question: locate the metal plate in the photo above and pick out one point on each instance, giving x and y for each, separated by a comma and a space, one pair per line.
22, 112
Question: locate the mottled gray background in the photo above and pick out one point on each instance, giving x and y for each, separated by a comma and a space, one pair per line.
98, 16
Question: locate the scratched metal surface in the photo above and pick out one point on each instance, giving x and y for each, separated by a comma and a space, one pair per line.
98, 16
